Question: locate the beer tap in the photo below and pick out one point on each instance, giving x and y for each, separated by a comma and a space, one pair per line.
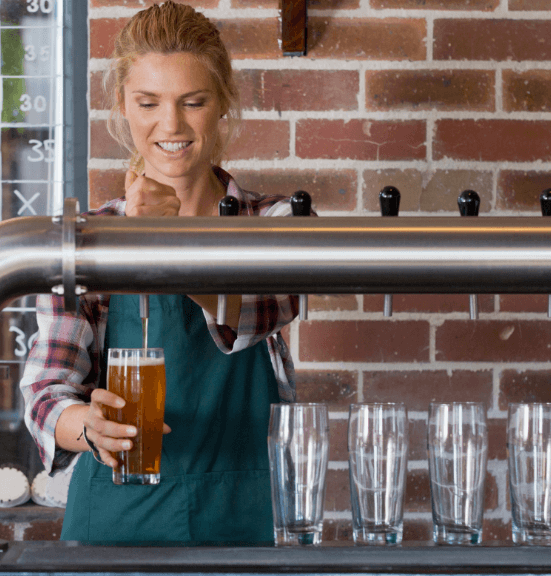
389, 199
545, 201
301, 204
228, 206
469, 203
144, 315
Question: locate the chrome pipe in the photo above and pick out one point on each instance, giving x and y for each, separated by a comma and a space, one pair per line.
280, 255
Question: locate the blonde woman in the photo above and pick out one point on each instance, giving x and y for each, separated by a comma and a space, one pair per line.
171, 84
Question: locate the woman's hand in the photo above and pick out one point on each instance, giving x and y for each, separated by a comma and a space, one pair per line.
109, 436
147, 197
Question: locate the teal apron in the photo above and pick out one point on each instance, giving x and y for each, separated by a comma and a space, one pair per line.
215, 485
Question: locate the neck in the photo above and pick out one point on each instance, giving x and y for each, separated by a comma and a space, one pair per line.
199, 194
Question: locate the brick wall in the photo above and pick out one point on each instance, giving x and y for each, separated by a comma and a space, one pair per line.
432, 96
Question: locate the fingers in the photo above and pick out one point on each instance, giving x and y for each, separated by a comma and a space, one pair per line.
129, 178
147, 197
108, 436
166, 429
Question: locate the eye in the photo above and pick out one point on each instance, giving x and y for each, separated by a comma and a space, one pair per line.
195, 104
146, 105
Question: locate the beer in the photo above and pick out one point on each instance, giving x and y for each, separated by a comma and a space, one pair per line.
138, 376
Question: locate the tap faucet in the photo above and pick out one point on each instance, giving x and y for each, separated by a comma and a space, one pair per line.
301, 204
469, 204
389, 199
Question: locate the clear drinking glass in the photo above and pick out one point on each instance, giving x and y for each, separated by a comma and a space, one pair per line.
529, 454
377, 456
458, 448
138, 376
298, 446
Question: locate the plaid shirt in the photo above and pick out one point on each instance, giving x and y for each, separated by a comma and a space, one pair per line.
63, 366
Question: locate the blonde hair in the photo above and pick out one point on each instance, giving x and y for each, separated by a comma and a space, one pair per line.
170, 28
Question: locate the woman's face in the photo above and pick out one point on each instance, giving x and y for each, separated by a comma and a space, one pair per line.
173, 109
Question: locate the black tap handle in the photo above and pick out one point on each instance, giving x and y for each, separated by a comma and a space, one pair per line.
228, 206
545, 201
469, 203
301, 203
389, 199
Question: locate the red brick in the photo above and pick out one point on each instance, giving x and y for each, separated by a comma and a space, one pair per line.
417, 531
418, 388
497, 439
430, 90
102, 35
364, 341
98, 99
524, 386
336, 531
298, 89
146, 3
329, 189
361, 139
518, 190
492, 39
244, 38
7, 531
261, 140
338, 451
432, 303
431, 191
493, 341
523, 303
251, 38
436, 4
337, 495
495, 530
105, 185
338, 389
526, 91
312, 4
367, 39
492, 140
44, 530
102, 145
333, 302
529, 4
417, 435
417, 497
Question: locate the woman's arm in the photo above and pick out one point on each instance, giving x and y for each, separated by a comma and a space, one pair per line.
60, 374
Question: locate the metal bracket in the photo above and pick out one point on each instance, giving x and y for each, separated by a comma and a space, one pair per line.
69, 289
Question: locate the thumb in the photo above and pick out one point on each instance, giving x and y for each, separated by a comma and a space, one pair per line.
129, 179
166, 428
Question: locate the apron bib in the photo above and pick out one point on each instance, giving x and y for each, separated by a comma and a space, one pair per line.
215, 483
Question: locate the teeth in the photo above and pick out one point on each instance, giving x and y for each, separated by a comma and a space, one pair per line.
173, 146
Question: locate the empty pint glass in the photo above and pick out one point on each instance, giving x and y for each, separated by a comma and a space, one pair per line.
138, 376
377, 456
298, 446
458, 447
529, 454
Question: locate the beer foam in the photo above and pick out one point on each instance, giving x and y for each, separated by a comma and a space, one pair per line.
134, 361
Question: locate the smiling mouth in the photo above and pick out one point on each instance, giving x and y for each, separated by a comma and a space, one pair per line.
173, 146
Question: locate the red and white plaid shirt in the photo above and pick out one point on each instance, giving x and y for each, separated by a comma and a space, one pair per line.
63, 366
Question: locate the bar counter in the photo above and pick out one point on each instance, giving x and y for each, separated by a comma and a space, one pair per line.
411, 557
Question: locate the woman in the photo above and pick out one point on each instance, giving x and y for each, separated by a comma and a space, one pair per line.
171, 82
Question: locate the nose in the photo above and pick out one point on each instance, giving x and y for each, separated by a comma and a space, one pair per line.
172, 119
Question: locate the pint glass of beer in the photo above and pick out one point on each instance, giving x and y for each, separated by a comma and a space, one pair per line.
138, 376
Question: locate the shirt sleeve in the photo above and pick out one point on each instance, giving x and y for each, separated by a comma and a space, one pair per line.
62, 369
262, 316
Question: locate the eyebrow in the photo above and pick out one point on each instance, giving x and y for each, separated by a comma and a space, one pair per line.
153, 95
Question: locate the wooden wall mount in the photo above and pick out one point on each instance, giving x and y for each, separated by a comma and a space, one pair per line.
293, 15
